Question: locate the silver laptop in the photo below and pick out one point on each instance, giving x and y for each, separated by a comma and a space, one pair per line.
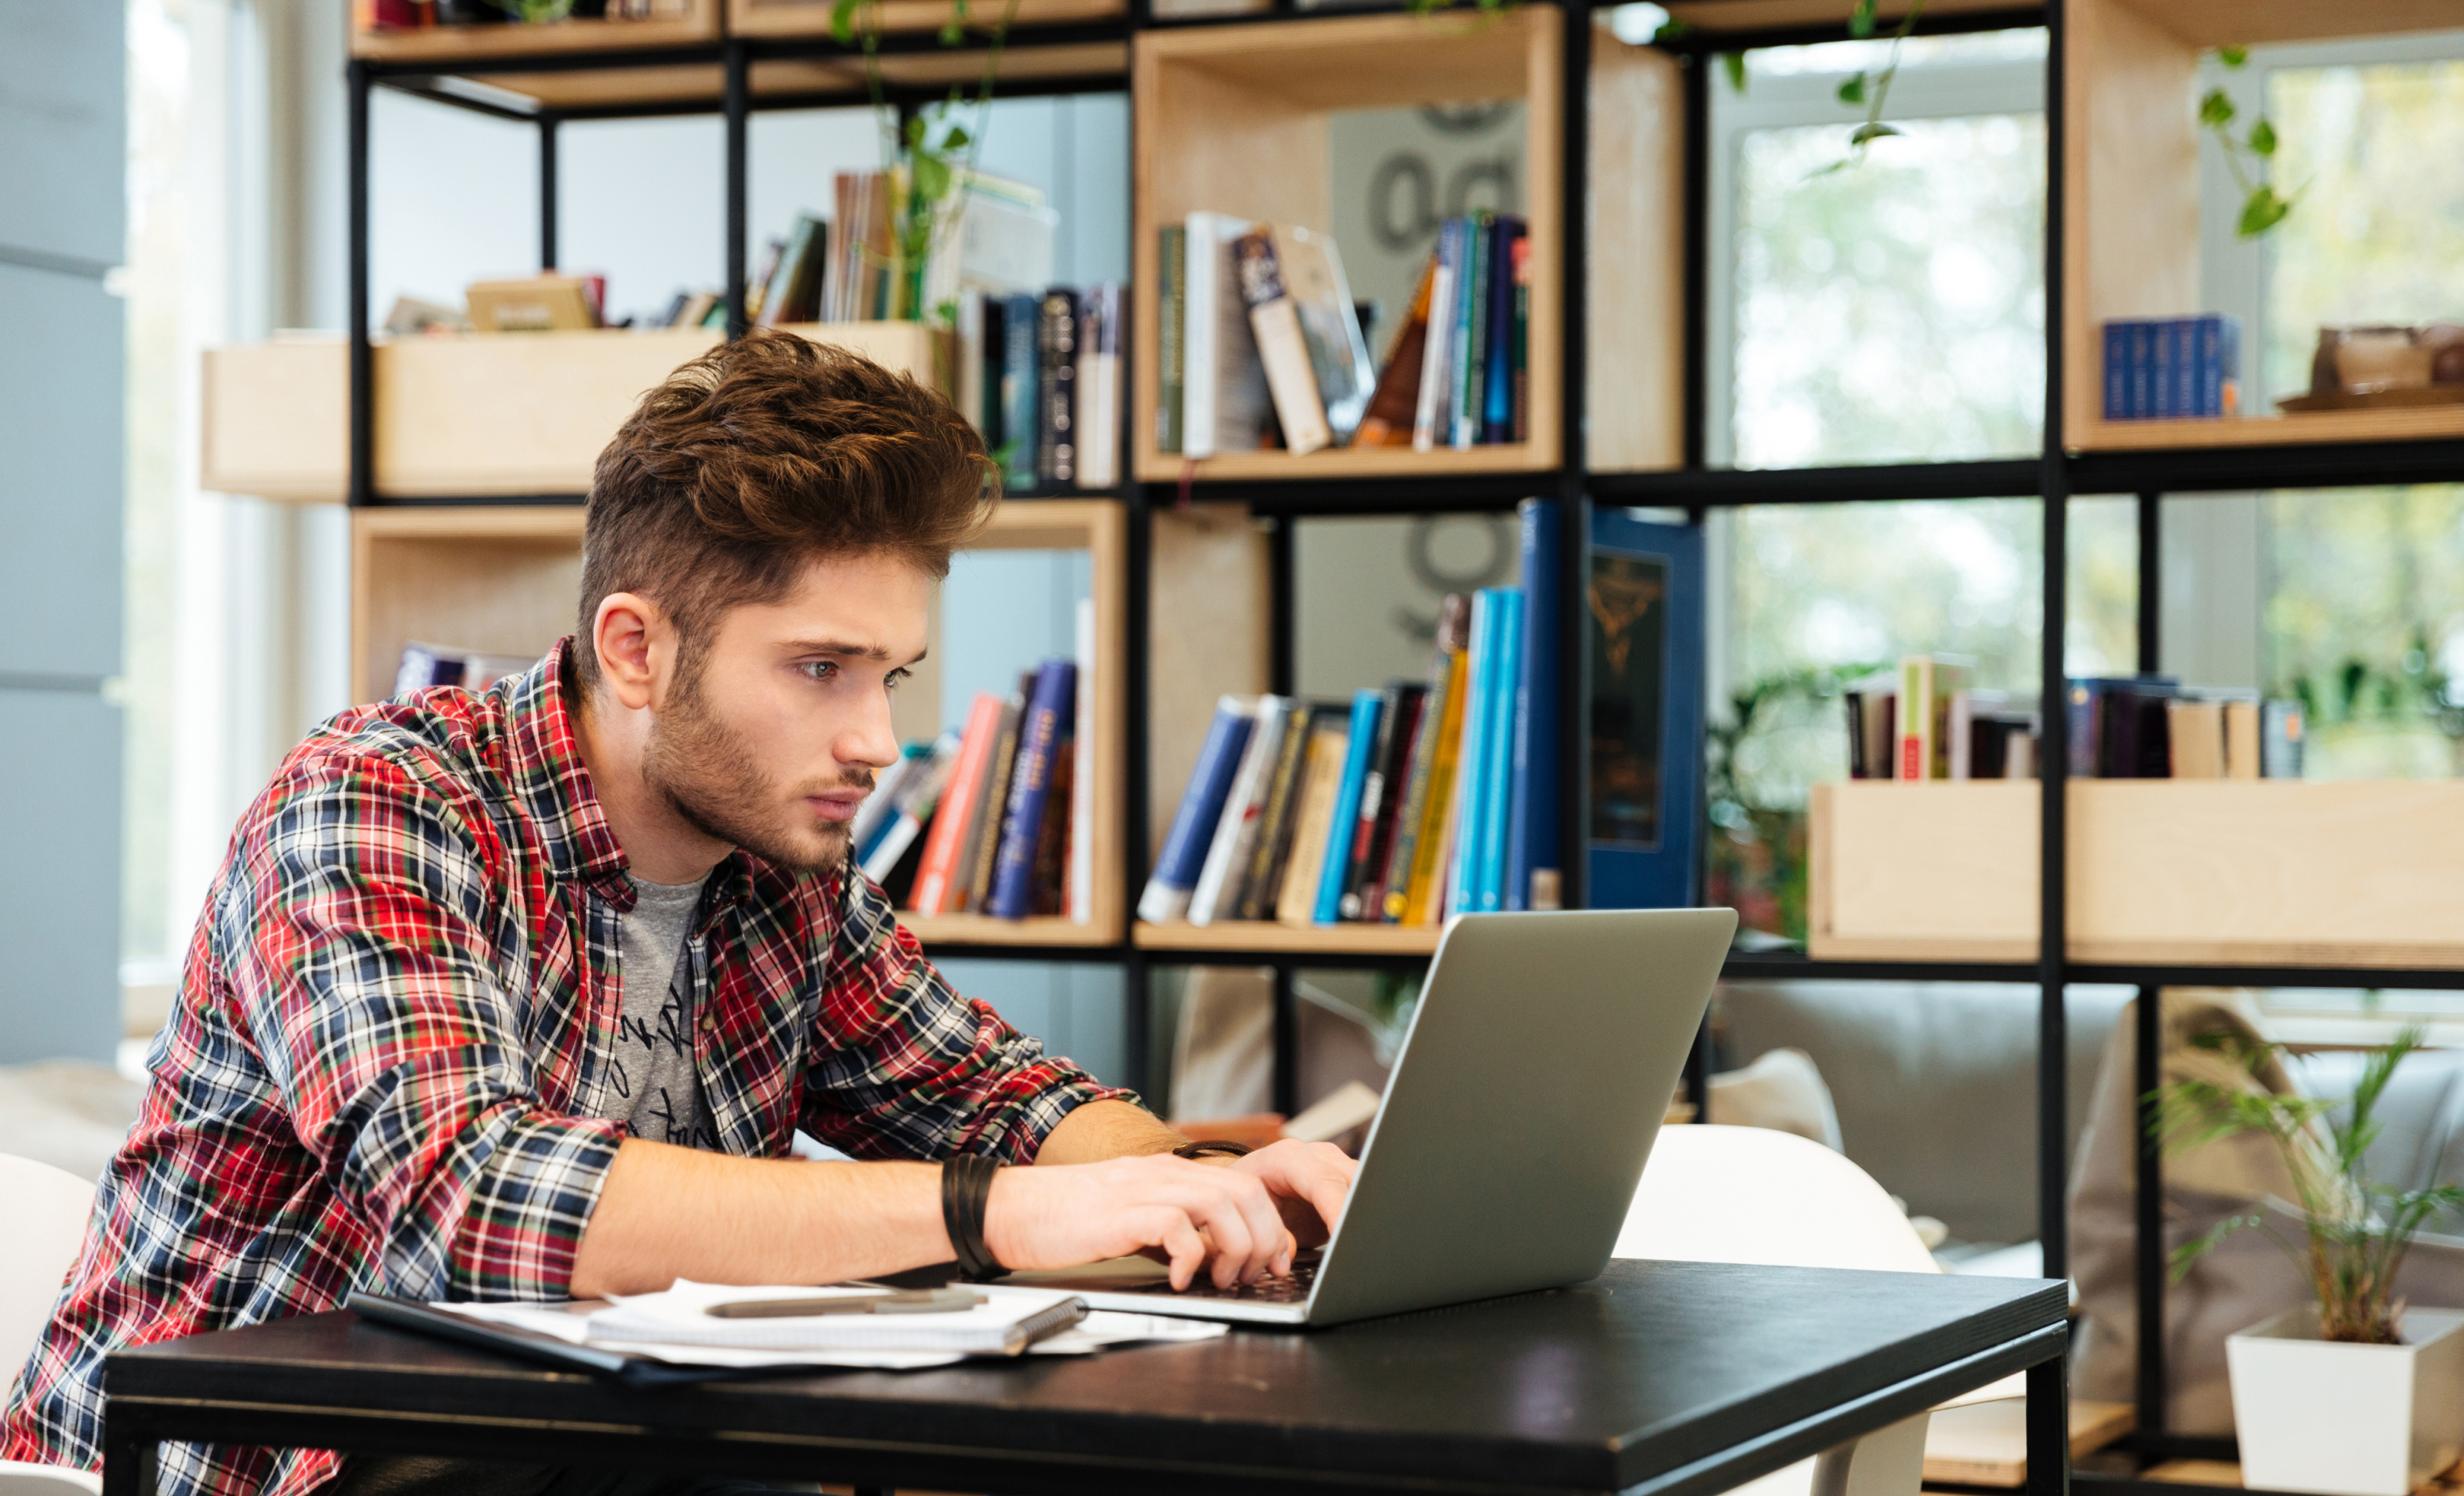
1530, 1085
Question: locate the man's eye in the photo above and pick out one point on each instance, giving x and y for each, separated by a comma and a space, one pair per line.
820, 669
895, 680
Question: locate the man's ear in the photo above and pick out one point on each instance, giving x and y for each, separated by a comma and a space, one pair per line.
635, 644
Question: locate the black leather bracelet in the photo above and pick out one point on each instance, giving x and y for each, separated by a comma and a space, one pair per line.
1223, 1147
966, 1189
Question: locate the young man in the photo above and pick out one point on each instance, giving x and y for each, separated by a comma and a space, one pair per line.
524, 995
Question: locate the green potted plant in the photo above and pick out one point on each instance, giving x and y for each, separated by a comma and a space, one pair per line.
2356, 1392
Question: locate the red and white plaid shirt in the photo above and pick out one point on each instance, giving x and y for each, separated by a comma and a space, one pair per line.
392, 1047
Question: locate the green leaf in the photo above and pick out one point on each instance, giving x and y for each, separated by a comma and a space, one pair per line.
957, 139
932, 178
2233, 57
1870, 131
1861, 20
952, 34
2262, 139
2216, 109
1852, 89
2264, 211
1674, 29
843, 21
1734, 62
915, 131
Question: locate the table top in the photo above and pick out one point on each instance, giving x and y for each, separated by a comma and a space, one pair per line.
1634, 1379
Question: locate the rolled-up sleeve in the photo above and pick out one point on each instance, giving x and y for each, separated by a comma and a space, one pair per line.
905, 1068
360, 943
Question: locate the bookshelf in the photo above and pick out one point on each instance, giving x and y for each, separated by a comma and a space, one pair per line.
2130, 165
1232, 114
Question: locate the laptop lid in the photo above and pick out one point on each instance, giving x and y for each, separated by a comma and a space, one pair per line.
1540, 1061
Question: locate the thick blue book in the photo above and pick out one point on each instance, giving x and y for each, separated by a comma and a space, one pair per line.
1497, 380
2117, 371
1365, 704
1020, 378
1531, 820
1462, 880
1497, 755
1043, 732
1645, 715
1166, 896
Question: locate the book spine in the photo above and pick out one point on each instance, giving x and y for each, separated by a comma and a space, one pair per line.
1521, 366
1322, 777
1373, 808
1411, 726
1471, 331
958, 805
2181, 332
1056, 388
993, 412
1264, 876
1497, 759
1201, 265
1463, 842
1166, 896
1497, 370
877, 805
1281, 346
1424, 891
1173, 313
1531, 825
1081, 904
1235, 828
2117, 372
973, 883
1328, 907
1098, 409
1388, 421
1043, 734
1916, 717
1412, 812
2143, 369
1019, 380
2280, 739
2078, 725
2229, 365
1437, 355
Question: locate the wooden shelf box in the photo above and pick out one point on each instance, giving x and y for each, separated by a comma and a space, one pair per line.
507, 579
2130, 178
506, 415
2160, 871
671, 22
1263, 938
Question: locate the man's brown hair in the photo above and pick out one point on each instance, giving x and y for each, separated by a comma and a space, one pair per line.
759, 456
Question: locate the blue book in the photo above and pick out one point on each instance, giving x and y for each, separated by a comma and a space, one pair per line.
1497, 755
1646, 714
2143, 371
2117, 372
1531, 822
2182, 332
1481, 645
1497, 381
1366, 703
2159, 375
1044, 729
1166, 896
1021, 374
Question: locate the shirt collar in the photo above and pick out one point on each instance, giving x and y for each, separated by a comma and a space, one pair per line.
551, 779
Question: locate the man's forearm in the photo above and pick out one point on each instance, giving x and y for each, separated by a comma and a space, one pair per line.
1102, 1129
665, 1213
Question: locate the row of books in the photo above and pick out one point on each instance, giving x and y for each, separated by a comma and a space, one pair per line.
1409, 802
414, 14
1040, 376
1260, 342
1927, 721
997, 817
2172, 367
427, 665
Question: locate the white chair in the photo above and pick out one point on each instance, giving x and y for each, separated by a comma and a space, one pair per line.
1716, 1194
46, 1209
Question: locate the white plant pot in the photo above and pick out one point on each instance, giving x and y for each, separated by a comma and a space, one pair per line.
2347, 1420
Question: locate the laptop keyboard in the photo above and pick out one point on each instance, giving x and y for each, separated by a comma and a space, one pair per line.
1294, 1289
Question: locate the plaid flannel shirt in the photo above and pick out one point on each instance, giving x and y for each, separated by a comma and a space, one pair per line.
390, 1055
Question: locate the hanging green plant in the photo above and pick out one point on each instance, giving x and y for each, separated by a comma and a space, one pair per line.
1872, 90
2250, 157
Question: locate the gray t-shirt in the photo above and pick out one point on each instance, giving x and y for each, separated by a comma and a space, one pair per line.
653, 1084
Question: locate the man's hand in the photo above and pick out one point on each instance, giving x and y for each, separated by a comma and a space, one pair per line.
1065, 1215
1309, 1183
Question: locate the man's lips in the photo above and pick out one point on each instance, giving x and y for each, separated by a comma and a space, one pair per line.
837, 805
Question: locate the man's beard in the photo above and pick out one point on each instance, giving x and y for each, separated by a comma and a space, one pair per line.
708, 775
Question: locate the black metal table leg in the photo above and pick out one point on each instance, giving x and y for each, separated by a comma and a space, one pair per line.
2049, 1428
129, 1454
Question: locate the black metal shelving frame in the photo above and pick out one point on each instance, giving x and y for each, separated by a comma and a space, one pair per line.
2051, 476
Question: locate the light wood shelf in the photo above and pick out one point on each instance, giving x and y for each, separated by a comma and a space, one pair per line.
1266, 938
2277, 872
469, 417
812, 17
2130, 174
680, 23
506, 579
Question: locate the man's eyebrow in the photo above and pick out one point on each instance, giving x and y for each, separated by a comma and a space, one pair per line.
842, 648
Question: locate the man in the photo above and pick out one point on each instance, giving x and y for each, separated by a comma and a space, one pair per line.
524, 995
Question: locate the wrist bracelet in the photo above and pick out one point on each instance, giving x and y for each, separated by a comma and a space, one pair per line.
1221, 1145
966, 1190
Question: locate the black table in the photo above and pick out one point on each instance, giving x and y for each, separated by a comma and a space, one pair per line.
1654, 1379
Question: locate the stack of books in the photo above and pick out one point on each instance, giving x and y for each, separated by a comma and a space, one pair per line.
2172, 367
1260, 343
1412, 802
993, 818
